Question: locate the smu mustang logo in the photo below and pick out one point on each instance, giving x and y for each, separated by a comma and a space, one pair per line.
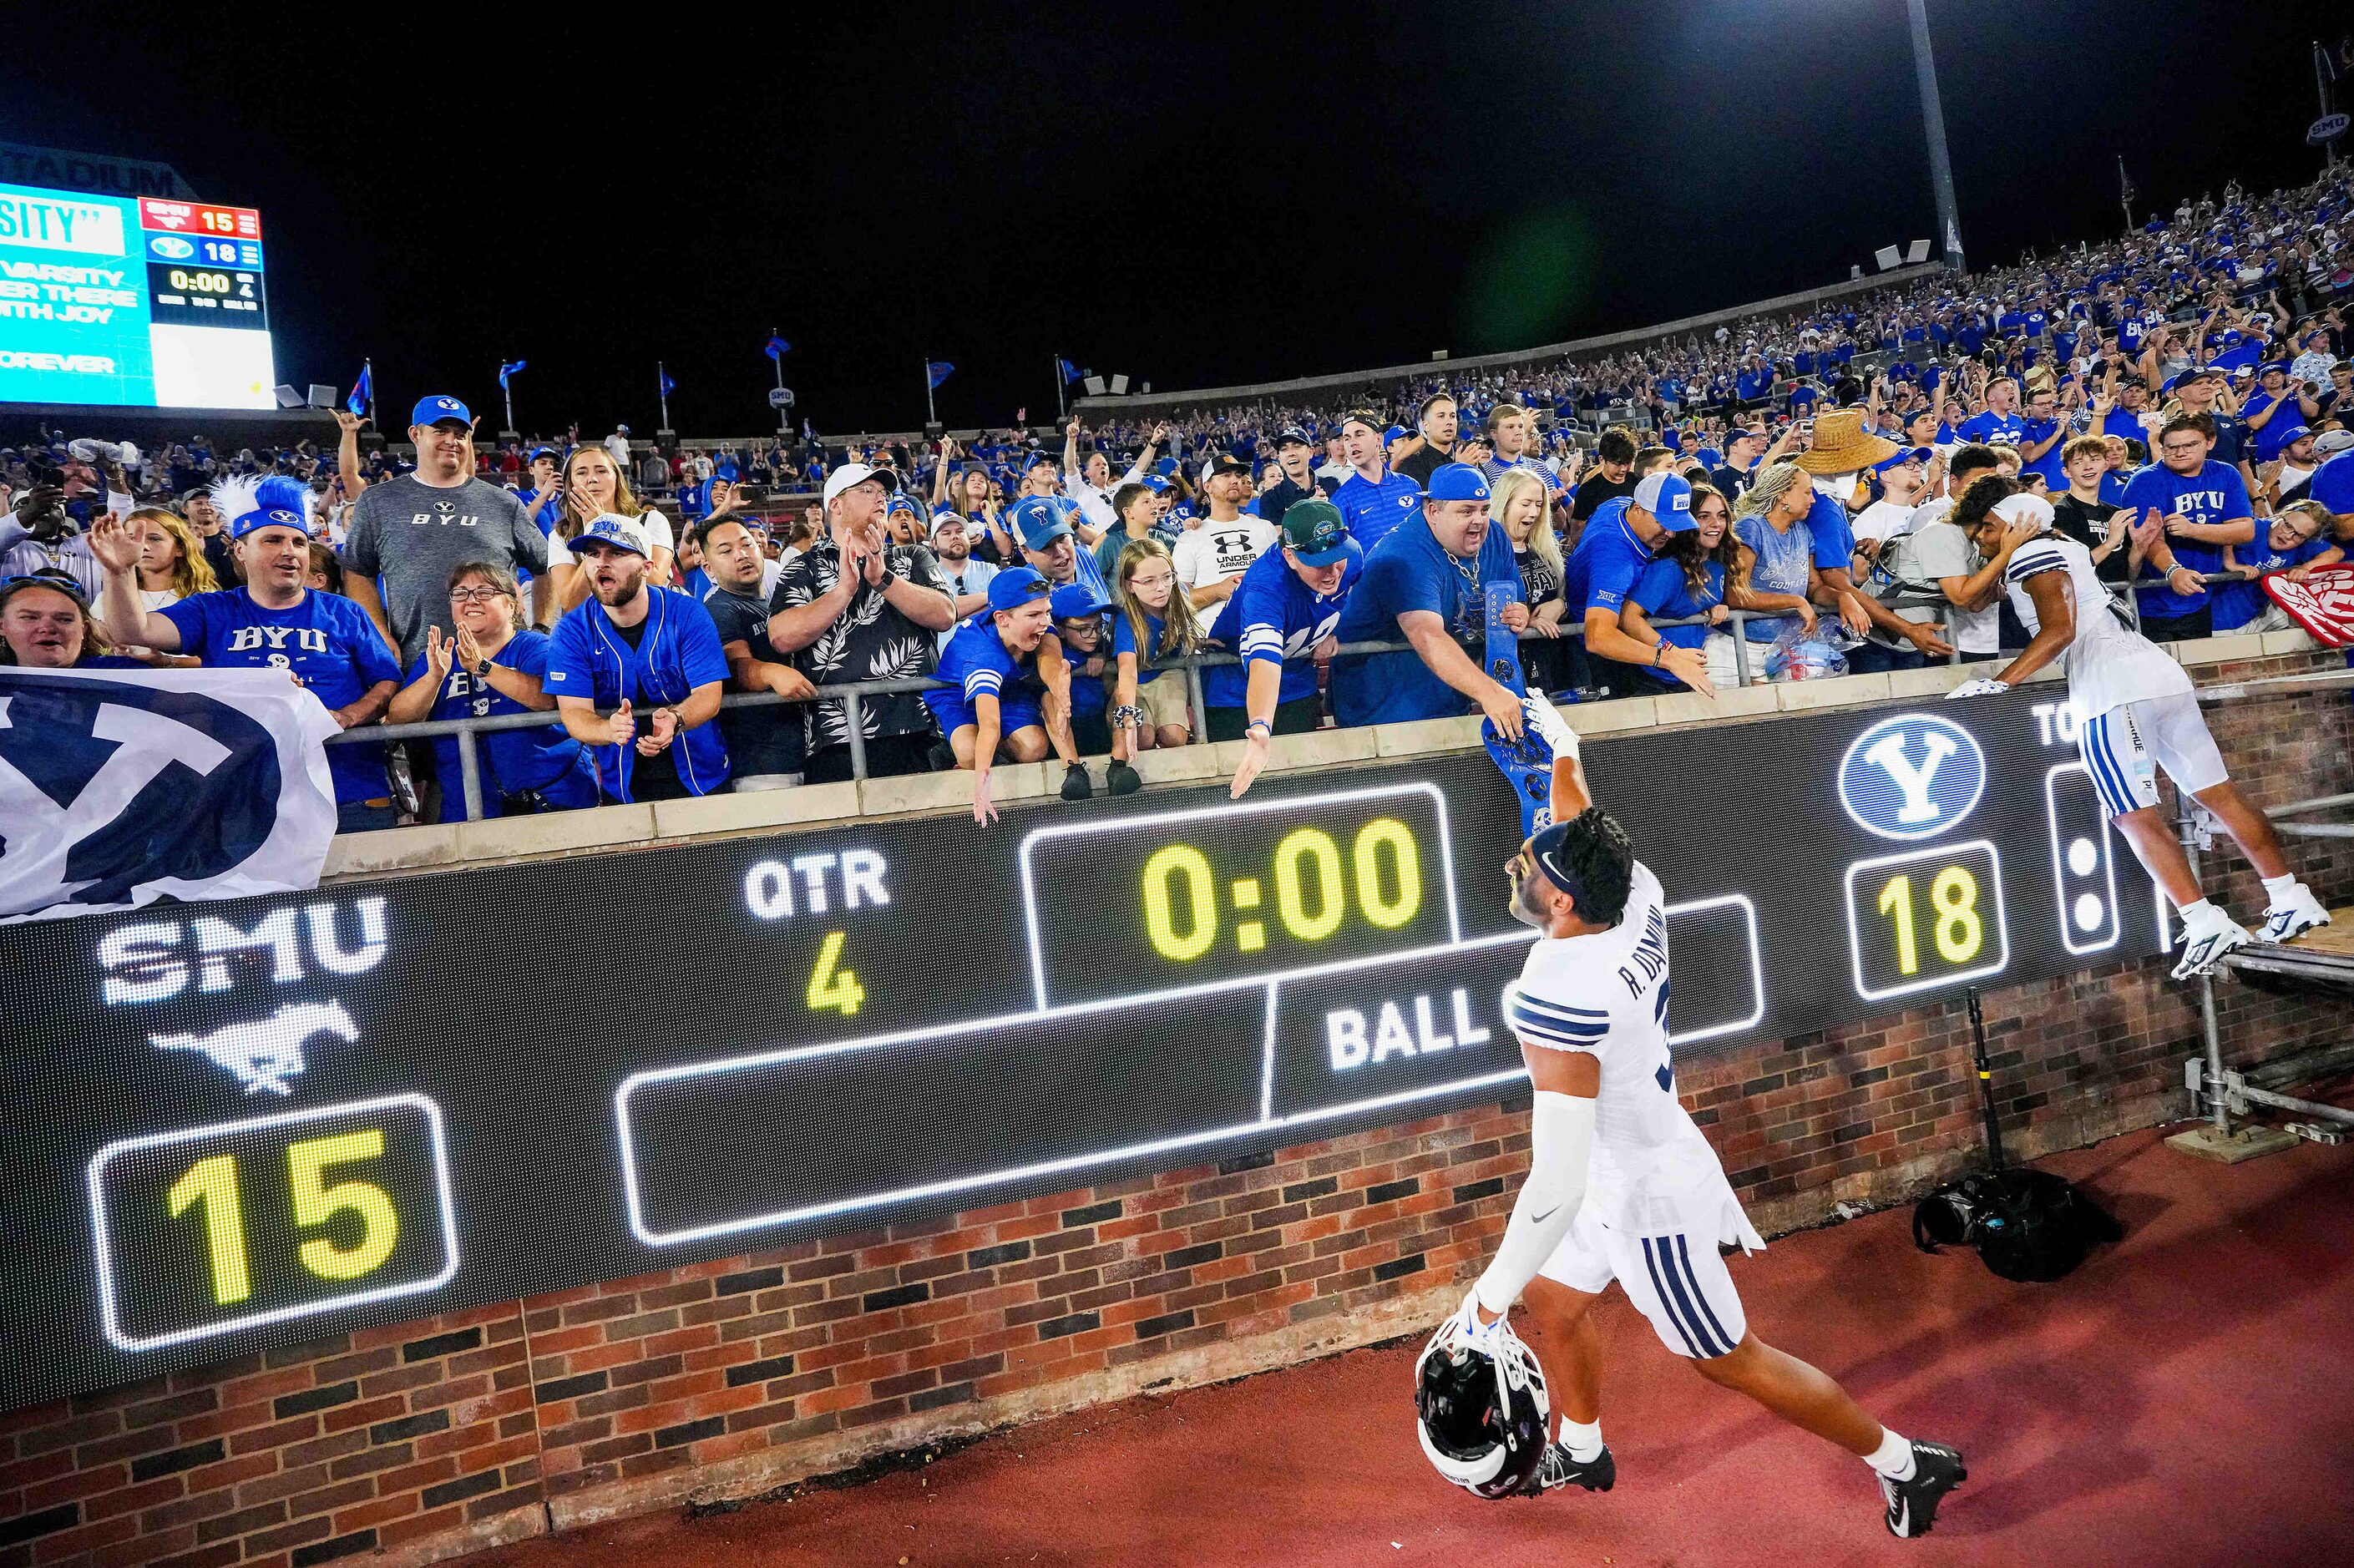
138, 784
1912, 777
269, 1050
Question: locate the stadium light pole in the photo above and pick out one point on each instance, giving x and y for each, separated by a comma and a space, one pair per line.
1933, 123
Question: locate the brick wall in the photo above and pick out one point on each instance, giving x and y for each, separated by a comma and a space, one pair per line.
423, 1440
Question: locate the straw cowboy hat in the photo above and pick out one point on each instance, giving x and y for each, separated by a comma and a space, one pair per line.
1842, 447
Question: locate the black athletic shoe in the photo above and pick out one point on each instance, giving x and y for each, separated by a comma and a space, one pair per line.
1123, 779
1556, 1469
1075, 784
1913, 1505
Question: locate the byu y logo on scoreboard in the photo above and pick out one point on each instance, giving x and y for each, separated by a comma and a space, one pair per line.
1912, 777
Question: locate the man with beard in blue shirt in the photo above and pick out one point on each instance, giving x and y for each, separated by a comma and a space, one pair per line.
1428, 581
1620, 541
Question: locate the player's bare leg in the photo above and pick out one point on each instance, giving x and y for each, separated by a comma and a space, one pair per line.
1803, 1395
1573, 1352
1572, 1348
1913, 1476
2248, 826
2161, 853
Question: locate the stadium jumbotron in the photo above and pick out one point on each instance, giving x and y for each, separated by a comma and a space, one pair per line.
1222, 792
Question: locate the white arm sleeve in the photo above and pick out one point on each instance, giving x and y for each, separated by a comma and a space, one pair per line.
1561, 1142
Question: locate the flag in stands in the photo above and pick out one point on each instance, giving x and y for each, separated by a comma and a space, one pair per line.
121, 787
778, 347
363, 391
668, 385
941, 370
508, 368
1070, 372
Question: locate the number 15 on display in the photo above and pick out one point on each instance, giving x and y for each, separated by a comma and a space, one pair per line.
231, 1226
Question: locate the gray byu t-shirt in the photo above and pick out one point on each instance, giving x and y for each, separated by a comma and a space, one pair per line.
413, 534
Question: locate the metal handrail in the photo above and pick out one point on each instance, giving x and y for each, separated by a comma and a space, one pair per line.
851, 694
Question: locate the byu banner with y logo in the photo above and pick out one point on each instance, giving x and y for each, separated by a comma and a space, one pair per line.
119, 786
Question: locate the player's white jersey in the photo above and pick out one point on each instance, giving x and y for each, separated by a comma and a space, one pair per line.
1653, 1173
2109, 663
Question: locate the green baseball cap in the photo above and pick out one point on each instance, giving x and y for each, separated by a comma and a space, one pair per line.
1314, 532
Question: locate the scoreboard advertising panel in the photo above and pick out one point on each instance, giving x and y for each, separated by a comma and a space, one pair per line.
258, 1122
138, 300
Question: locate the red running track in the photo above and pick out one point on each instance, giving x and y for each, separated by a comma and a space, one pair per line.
2181, 1399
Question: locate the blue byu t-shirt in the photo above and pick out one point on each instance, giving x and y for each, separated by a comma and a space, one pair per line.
1411, 570
511, 761
329, 643
2216, 494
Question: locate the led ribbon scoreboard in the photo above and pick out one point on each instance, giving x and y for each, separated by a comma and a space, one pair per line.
139, 300
265, 1121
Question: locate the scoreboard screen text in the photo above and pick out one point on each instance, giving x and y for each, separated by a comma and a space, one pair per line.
263, 1121
138, 300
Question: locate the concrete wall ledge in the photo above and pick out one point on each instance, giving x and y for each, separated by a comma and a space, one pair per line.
398, 850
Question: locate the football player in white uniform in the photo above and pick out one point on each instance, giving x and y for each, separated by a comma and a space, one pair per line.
1621, 1183
2136, 712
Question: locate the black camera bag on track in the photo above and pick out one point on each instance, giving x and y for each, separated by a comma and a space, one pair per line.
2026, 1225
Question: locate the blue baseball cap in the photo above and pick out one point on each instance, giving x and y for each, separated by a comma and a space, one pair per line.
268, 517
1076, 601
1038, 521
1667, 498
1155, 483
1900, 456
1455, 481
439, 410
1015, 587
612, 528
1395, 433
536, 452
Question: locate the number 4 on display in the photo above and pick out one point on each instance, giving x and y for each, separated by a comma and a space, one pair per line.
832, 990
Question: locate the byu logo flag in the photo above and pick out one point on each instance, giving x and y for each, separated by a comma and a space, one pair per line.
941, 370
362, 391
508, 368
118, 787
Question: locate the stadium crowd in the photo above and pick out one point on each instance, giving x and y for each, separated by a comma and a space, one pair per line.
1781, 498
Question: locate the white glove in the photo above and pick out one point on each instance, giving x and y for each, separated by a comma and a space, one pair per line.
1979, 688
1466, 1329
1545, 720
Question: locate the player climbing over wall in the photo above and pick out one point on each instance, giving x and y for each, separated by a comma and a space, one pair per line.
2136, 711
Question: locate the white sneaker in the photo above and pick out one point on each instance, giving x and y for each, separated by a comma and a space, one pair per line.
2293, 916
2206, 938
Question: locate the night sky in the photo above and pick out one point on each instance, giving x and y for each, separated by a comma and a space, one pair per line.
1181, 193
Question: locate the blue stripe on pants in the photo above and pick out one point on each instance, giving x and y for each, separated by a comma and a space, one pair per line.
2108, 781
1683, 1255
1668, 1300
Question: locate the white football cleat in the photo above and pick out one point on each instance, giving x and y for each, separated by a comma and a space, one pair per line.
2206, 937
2300, 912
